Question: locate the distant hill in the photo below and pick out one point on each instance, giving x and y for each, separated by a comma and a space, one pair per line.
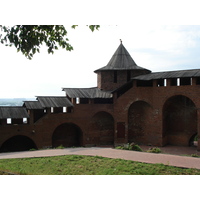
14, 101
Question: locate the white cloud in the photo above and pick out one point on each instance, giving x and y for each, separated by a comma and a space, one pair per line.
157, 48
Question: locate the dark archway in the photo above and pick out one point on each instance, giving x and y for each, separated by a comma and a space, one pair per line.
102, 128
67, 135
179, 120
18, 143
140, 123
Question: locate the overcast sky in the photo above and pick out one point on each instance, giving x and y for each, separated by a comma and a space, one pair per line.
158, 48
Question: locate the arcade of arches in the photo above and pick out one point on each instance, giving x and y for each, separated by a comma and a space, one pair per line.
179, 125
179, 122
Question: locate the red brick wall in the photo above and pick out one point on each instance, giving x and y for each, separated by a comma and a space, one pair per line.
153, 132
156, 98
105, 79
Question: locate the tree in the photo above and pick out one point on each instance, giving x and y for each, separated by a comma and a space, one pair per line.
28, 38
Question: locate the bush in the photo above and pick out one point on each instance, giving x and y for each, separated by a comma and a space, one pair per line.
154, 150
119, 147
135, 147
194, 155
60, 147
32, 149
132, 147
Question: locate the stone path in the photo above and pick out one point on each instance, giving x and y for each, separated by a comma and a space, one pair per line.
167, 159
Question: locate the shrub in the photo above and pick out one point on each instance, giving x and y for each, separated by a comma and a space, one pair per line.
194, 155
32, 149
119, 147
132, 147
60, 147
135, 147
154, 150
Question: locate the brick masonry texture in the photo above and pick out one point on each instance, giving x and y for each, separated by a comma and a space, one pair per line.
148, 115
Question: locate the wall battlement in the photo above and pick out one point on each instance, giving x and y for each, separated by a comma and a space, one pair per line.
129, 104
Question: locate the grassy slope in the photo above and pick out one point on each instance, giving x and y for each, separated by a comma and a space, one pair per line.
79, 165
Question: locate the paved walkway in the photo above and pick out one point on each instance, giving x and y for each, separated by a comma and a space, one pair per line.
167, 159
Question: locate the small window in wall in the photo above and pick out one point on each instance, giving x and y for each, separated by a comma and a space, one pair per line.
9, 121
25, 120
52, 109
77, 100
128, 75
165, 82
115, 76
178, 82
64, 109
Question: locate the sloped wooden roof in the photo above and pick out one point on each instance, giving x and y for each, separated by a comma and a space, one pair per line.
121, 60
33, 105
90, 93
169, 74
47, 101
14, 112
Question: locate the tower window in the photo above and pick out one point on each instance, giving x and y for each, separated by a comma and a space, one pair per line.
115, 76
128, 75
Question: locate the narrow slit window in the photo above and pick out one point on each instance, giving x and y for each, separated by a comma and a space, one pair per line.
77, 100
165, 82
128, 75
115, 76
64, 109
178, 82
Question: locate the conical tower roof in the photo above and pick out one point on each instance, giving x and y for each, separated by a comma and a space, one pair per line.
121, 60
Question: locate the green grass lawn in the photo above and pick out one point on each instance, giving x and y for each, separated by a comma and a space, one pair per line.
87, 165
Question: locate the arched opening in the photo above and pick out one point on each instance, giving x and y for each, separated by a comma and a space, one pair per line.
179, 120
67, 135
18, 143
140, 123
102, 129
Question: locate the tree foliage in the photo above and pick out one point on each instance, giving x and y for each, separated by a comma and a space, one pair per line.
28, 38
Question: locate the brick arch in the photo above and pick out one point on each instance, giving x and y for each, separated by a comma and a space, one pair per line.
194, 100
179, 120
140, 122
67, 135
18, 143
102, 128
